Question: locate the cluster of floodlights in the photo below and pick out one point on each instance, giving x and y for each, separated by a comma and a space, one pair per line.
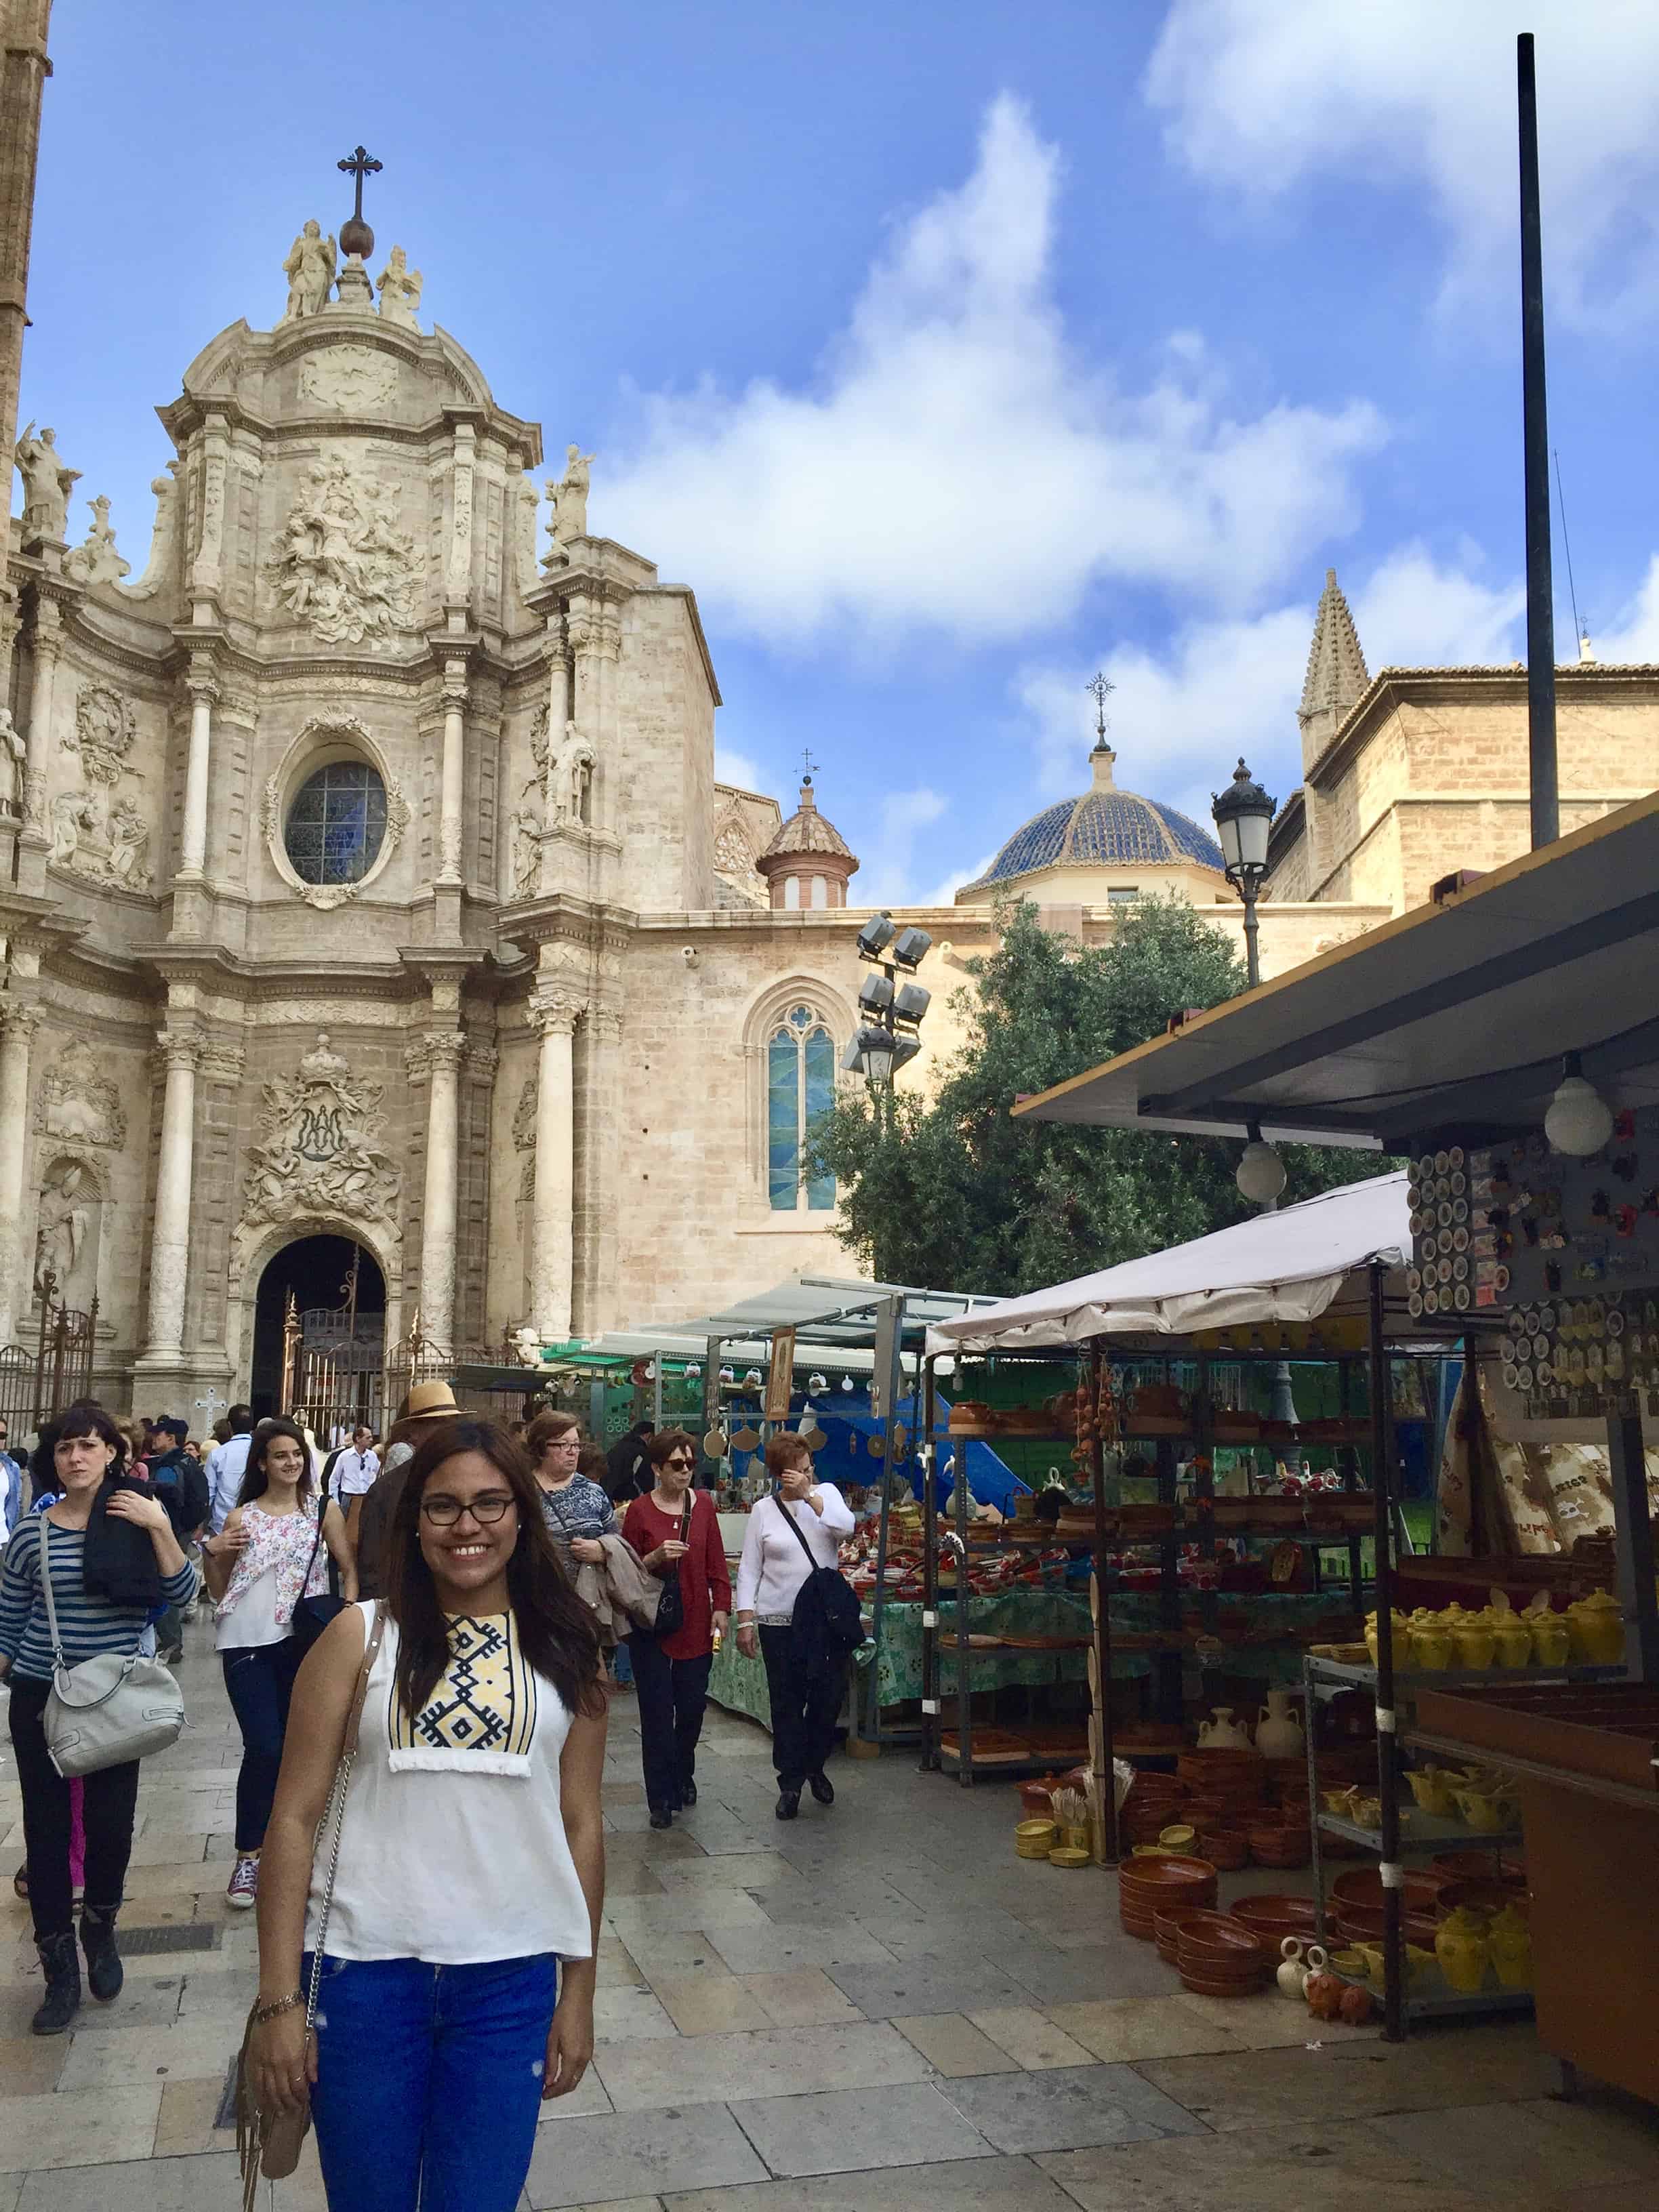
887, 1034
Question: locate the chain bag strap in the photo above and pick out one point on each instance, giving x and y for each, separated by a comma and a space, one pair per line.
269, 2143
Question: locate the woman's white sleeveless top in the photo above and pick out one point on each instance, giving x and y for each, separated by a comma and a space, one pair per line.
453, 1849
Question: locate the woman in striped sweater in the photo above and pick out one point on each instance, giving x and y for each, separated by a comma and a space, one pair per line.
90, 1450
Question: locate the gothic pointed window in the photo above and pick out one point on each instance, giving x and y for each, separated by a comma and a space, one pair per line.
336, 822
800, 1085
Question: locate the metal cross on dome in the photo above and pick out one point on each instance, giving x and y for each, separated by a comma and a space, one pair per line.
806, 756
1101, 689
360, 164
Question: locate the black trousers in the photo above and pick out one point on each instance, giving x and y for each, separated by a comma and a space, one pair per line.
671, 1693
260, 1680
804, 1713
108, 1800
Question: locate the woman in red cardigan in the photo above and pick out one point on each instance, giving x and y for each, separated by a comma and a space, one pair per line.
671, 1672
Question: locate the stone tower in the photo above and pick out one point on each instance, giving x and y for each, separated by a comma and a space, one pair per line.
1336, 677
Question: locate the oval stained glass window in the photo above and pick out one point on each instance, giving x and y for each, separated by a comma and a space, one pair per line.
336, 824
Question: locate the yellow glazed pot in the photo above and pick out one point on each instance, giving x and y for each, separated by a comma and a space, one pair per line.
1550, 1642
1595, 1631
1473, 1646
1511, 1949
1432, 1786
1514, 1642
1485, 1814
1464, 1952
1432, 1650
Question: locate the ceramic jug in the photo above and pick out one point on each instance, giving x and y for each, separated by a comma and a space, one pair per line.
1224, 1733
1279, 1733
1464, 1950
1511, 1949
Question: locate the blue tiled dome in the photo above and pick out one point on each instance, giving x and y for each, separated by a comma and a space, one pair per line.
1105, 828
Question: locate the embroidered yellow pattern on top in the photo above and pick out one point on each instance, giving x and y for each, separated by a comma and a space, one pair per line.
483, 1701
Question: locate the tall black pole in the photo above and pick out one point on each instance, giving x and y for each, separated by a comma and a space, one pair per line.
1540, 603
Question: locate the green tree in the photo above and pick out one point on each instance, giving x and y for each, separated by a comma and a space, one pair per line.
952, 1191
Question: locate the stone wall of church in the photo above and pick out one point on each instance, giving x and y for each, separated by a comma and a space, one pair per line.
661, 777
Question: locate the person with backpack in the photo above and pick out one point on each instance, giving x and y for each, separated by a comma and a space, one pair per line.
792, 1539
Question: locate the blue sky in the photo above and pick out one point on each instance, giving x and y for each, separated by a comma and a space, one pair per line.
949, 351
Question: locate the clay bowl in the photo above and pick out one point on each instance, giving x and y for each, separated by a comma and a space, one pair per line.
1226, 1847
1363, 1887
1505, 1867
1133, 1924
1229, 1774
1363, 1924
1283, 1848
1217, 1940
1272, 1919
1287, 1778
1166, 1929
1208, 1985
1170, 1878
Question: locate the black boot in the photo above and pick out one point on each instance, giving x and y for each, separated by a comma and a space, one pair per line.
688, 1794
788, 1804
105, 1972
824, 1790
63, 1972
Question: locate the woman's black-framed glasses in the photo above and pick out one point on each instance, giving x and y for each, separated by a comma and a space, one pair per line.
443, 1512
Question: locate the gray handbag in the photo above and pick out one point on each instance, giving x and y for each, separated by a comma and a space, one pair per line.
108, 1708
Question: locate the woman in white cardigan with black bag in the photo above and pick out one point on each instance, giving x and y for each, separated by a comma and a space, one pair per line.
776, 1561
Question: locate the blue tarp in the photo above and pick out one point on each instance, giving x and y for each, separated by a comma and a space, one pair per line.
846, 1457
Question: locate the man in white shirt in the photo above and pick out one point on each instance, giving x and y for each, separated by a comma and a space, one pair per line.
355, 1469
227, 1463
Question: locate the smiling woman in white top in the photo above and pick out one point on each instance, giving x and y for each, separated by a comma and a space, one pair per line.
774, 1565
271, 1552
457, 1928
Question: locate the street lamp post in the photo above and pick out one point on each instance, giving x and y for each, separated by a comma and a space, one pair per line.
890, 1011
1243, 814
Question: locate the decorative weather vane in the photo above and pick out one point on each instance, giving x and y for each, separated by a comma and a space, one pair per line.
806, 755
1101, 689
356, 236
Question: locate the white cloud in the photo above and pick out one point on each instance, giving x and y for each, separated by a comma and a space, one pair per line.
1180, 718
885, 866
1262, 93
739, 769
1635, 636
957, 465
945, 891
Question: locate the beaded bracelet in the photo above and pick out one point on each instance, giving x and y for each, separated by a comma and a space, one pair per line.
275, 2007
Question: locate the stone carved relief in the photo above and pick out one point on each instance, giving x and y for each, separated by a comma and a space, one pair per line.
564, 772
526, 854
524, 1115
14, 755
320, 1150
92, 833
79, 1101
104, 729
352, 380
96, 561
344, 568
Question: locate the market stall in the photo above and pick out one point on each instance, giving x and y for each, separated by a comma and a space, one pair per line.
1507, 1036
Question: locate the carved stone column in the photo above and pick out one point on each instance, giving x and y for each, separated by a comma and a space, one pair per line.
204, 696
18, 1022
558, 683
24, 69
454, 757
554, 1013
208, 569
600, 1112
458, 574
179, 1054
439, 1054
48, 645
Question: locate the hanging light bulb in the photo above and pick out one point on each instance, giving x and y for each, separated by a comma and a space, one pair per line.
1579, 1121
1260, 1173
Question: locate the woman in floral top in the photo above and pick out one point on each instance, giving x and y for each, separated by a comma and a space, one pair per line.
270, 1553
576, 1511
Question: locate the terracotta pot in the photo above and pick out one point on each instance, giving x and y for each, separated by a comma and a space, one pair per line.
1166, 1929
1036, 1799
1216, 1938
1274, 1917
1226, 1847
1421, 1889
1363, 1924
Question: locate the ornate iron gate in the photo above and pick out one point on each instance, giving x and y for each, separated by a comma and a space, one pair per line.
39, 1382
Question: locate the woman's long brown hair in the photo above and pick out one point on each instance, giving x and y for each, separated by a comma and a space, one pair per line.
556, 1631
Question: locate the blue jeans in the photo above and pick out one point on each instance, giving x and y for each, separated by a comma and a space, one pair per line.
624, 1662
261, 1680
429, 2081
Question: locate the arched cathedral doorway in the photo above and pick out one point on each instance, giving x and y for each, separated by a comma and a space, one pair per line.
330, 1291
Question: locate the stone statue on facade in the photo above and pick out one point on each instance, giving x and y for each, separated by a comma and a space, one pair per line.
13, 754
79, 1101
128, 845
399, 288
309, 268
61, 1235
46, 484
526, 855
569, 773
74, 816
570, 497
96, 561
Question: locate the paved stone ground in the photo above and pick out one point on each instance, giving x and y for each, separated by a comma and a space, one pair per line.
876, 2010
